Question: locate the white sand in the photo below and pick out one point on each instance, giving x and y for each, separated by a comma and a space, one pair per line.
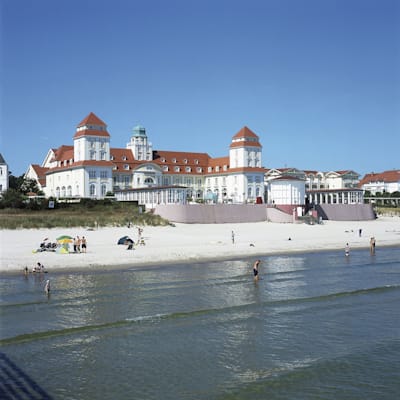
192, 242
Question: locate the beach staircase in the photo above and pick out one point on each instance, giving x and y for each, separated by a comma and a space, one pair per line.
345, 212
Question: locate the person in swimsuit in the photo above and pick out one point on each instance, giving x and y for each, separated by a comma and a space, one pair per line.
255, 269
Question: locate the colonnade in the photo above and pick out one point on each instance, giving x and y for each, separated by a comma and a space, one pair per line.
347, 196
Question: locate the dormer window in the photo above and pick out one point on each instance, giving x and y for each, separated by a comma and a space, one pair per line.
225, 167
177, 169
126, 166
124, 158
196, 161
199, 169
217, 168
162, 159
174, 160
112, 158
209, 169
165, 168
185, 161
188, 169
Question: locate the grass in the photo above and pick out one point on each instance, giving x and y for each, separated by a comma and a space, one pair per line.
76, 215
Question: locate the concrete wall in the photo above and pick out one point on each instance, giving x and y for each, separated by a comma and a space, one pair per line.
220, 213
346, 212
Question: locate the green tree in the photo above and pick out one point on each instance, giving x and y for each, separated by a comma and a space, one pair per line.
12, 198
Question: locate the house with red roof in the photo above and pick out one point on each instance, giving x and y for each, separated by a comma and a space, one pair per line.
381, 182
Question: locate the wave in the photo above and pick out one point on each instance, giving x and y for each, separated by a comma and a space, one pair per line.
157, 318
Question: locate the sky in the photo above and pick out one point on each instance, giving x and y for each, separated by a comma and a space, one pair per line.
317, 80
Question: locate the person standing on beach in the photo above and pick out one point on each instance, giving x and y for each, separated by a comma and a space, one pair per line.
347, 249
255, 269
83, 242
372, 243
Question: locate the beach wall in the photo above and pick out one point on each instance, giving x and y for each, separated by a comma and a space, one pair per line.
220, 213
346, 212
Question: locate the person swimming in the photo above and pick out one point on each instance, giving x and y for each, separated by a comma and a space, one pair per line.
47, 287
255, 269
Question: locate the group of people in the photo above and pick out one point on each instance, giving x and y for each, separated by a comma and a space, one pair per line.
372, 244
38, 268
80, 244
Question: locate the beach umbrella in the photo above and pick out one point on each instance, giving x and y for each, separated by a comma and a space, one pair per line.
123, 240
64, 239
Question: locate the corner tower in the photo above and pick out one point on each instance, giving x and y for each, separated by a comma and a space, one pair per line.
91, 140
245, 150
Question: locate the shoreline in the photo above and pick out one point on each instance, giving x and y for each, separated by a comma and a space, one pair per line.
136, 266
190, 243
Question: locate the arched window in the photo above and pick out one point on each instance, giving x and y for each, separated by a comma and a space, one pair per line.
92, 190
103, 190
149, 181
63, 191
69, 191
57, 192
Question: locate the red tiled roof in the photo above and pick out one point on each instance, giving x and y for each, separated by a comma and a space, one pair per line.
41, 173
245, 132
64, 152
386, 176
91, 132
245, 143
91, 119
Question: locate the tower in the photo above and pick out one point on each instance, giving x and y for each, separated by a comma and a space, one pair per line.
245, 150
141, 148
91, 140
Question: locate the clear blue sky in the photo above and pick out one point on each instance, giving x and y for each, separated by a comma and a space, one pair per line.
317, 80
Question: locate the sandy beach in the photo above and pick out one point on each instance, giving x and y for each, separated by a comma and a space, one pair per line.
191, 242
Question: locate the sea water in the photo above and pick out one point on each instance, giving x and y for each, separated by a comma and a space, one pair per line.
315, 326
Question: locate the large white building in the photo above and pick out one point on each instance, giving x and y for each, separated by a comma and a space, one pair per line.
92, 168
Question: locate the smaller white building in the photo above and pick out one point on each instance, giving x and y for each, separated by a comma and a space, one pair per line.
3, 175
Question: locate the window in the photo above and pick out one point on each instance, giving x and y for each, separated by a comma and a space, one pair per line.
217, 168
174, 160
92, 155
188, 169
112, 158
185, 161
165, 168
162, 159
196, 161
209, 169
126, 166
177, 169
92, 174
103, 174
199, 169
103, 190
124, 158
103, 155
92, 190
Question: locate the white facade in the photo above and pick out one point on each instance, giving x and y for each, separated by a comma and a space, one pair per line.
3, 175
91, 168
286, 191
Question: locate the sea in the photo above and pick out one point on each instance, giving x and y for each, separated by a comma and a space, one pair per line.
315, 326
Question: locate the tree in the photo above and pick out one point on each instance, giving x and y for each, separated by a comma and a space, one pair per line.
23, 185
29, 185
12, 198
